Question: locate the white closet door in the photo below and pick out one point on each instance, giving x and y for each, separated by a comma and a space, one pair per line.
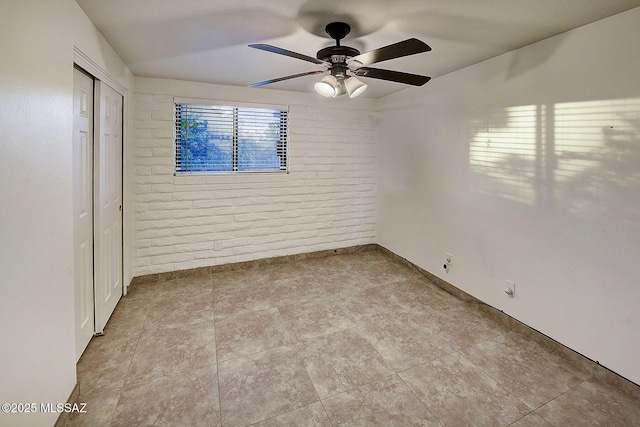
83, 208
108, 194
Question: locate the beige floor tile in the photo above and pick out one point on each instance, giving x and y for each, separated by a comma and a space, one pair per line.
464, 327
260, 386
419, 295
595, 404
314, 318
187, 398
128, 318
262, 294
231, 301
99, 408
143, 291
293, 290
369, 269
165, 351
250, 333
386, 402
275, 269
235, 279
325, 265
523, 368
458, 393
403, 342
377, 268
105, 363
186, 285
369, 306
580, 368
264, 272
340, 284
366, 260
341, 361
386, 273
175, 308
198, 275
312, 415
531, 420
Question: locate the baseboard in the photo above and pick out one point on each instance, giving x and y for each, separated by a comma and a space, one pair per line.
257, 263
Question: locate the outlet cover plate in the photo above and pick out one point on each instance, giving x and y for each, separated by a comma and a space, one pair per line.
510, 289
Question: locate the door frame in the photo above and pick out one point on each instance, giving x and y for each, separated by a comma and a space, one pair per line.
85, 62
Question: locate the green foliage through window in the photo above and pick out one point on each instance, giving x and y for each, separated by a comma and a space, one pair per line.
212, 138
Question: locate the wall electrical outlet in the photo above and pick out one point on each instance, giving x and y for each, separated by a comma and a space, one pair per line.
217, 245
510, 289
448, 259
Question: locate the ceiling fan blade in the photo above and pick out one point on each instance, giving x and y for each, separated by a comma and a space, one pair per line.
280, 51
396, 50
394, 76
279, 79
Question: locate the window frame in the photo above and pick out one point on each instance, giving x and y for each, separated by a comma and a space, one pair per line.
281, 152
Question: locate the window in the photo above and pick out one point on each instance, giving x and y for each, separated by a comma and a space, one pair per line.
216, 138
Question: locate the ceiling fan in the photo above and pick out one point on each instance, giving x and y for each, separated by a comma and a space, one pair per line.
344, 63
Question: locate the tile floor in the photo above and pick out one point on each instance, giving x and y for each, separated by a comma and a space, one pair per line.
348, 339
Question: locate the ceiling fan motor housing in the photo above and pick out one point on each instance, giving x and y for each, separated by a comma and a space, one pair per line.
337, 55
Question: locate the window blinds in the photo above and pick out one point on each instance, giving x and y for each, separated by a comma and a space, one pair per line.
215, 138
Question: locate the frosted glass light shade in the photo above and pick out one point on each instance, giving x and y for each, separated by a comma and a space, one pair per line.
354, 87
327, 86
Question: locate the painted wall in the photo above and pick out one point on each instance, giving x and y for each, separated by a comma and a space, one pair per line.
327, 200
526, 167
37, 350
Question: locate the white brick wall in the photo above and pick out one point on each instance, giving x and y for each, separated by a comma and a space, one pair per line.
327, 200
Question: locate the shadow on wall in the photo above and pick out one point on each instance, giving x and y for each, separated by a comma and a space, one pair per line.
578, 158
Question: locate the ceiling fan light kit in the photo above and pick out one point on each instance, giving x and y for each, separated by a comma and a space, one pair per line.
331, 86
344, 63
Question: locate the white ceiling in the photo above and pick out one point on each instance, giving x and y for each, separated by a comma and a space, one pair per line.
206, 40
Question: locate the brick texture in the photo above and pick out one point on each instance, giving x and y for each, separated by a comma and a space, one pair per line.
326, 201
